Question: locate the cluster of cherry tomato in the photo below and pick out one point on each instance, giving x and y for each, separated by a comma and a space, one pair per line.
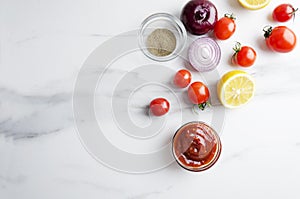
279, 39
244, 56
198, 93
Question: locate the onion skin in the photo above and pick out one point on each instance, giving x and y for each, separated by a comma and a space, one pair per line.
199, 16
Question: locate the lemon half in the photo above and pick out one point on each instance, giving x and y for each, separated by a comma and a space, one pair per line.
254, 4
236, 88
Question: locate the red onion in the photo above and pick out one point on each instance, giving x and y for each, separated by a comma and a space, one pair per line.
204, 54
199, 16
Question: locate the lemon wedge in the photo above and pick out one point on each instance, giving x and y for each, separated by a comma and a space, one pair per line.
236, 88
254, 4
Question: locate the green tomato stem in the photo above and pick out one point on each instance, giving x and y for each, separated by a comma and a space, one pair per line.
237, 47
268, 30
203, 105
293, 13
230, 16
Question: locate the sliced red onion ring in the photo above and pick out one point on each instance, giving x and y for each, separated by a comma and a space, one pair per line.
204, 54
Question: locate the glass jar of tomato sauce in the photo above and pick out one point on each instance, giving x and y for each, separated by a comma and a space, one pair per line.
196, 146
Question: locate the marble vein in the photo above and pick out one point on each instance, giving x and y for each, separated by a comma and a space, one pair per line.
28, 116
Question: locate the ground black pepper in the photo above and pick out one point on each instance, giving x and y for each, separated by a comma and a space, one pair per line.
161, 42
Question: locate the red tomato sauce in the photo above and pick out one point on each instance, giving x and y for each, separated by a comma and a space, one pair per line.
196, 146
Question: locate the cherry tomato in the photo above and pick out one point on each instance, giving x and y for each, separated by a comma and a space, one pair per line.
198, 93
244, 56
225, 27
159, 106
182, 78
280, 39
284, 12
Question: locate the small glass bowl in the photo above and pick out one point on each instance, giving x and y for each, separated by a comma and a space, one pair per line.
196, 146
162, 21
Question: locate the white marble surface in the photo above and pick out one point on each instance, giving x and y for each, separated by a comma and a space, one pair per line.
43, 45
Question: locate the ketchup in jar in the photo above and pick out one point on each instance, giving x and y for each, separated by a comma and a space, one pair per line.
196, 146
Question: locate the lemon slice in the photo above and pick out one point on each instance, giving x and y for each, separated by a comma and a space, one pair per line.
236, 88
254, 4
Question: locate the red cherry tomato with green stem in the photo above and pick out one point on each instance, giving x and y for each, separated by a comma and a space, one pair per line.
225, 27
244, 56
182, 78
284, 12
198, 93
159, 106
280, 39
